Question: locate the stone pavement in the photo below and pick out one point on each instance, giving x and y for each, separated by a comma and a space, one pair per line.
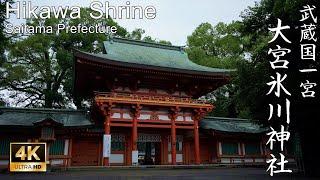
157, 174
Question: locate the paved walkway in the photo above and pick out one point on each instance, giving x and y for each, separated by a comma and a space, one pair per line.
157, 174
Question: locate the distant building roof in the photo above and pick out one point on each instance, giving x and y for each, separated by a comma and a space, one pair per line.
75, 118
30, 116
231, 125
147, 54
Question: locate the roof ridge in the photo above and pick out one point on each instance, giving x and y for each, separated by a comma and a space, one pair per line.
42, 110
146, 43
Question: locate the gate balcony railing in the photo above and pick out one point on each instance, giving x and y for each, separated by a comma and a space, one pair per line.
147, 98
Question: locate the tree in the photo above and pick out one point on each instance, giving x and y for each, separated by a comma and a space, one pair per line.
4, 39
38, 72
304, 112
220, 46
248, 47
138, 34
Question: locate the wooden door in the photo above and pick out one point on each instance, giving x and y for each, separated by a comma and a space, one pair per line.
85, 152
204, 152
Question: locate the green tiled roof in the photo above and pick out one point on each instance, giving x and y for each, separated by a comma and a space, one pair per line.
231, 125
28, 116
152, 54
75, 118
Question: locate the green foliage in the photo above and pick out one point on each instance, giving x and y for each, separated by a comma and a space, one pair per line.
220, 46
256, 21
4, 39
243, 45
40, 65
137, 34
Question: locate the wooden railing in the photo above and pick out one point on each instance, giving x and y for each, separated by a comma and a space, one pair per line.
159, 98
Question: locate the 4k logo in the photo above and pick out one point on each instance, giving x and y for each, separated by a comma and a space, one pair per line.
28, 157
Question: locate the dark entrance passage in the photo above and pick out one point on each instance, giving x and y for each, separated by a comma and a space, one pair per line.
149, 153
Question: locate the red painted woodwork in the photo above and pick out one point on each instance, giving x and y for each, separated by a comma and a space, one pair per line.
196, 142
128, 150
70, 151
85, 151
135, 114
186, 152
134, 134
189, 152
173, 142
107, 124
107, 131
164, 142
204, 151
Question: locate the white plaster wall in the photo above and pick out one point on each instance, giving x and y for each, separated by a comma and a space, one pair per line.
220, 148
66, 147
144, 116
116, 158
126, 116
179, 158
56, 162
116, 115
164, 117
188, 118
179, 118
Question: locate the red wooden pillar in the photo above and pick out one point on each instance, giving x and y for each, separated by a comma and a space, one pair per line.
69, 152
107, 113
134, 134
135, 114
173, 117
128, 149
199, 113
173, 142
106, 132
196, 142
164, 152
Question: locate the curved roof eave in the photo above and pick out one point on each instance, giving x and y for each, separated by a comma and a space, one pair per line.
99, 59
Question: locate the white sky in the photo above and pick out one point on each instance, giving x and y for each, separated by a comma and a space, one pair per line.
176, 19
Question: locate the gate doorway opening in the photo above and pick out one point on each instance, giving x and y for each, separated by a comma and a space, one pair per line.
149, 153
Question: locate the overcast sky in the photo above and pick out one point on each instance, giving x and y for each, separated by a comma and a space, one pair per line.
176, 19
